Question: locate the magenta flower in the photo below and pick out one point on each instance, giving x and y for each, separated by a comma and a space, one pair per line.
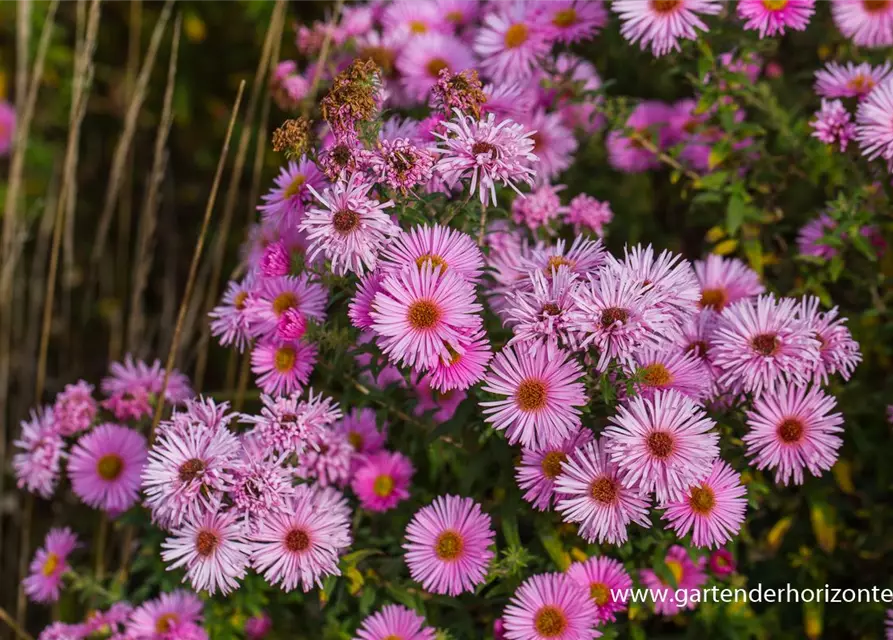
136, 377
382, 481
466, 364
424, 57
428, 398
572, 21
105, 466
661, 23
665, 369
696, 334
257, 627
544, 313
550, 605
541, 392
866, 23
282, 368
327, 459
351, 229
50, 562
287, 424
663, 444
583, 257
811, 237
538, 470
687, 576
448, 545
833, 124
212, 548
362, 432
414, 19
721, 562
838, 352
292, 325
590, 491
792, 428
75, 408
606, 580
554, 144
851, 80
449, 249
511, 42
712, 509
301, 545
421, 313
37, 464
647, 121
287, 201
276, 260
725, 281
7, 127
261, 484
157, 618
394, 621
874, 120
360, 308
274, 296
539, 208
771, 17
587, 213
508, 99
230, 320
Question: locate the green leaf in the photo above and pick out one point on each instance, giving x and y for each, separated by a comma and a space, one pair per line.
736, 213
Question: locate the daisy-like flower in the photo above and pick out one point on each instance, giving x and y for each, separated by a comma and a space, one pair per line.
156, 618
423, 58
696, 334
544, 313
648, 120
382, 481
136, 377
838, 352
607, 581
541, 392
286, 202
186, 467
112, 621
866, 22
511, 42
465, 365
509, 99
662, 444
583, 257
687, 575
261, 484
351, 229
75, 408
360, 308
401, 164
712, 509
756, 345
811, 237
257, 627
443, 403
274, 296
342, 157
229, 319
721, 562
590, 491
547, 606
199, 413
833, 124
327, 459
619, 316
394, 621
486, 152
771, 17
41, 446
50, 562
572, 21
443, 247
289, 424
362, 432
448, 545
7, 127
422, 312
282, 368
553, 145
287, 87
874, 120
851, 80
661, 23
537, 209
105, 466
414, 19
668, 368
588, 214
725, 281
300, 546
212, 547
538, 470
792, 429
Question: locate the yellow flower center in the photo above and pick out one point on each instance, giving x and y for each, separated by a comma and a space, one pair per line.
516, 35
284, 360
295, 186
449, 545
565, 17
50, 564
383, 486
599, 593
551, 464
656, 375
702, 499
110, 466
284, 301
550, 622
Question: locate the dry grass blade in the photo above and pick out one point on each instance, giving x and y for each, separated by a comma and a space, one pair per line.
16, 629
123, 147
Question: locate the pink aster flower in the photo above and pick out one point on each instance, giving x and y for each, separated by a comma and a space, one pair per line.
135, 376
538, 470
261, 484
352, 228
619, 316
687, 576
212, 548
583, 257
330, 499
465, 365
286, 202
545, 312
626, 152
440, 246
550, 605
852, 80
49, 565
511, 42
229, 320
607, 582
7, 127
422, 312
112, 621
414, 19
362, 432
257, 627
588, 214
42, 448
661, 23
186, 467
771, 17
662, 444
874, 120
669, 368
424, 57
283, 368
486, 152
443, 403
572, 21
327, 459
360, 308
538, 208
833, 124
288, 424
342, 157
401, 164
541, 392
274, 296
721, 563
199, 413
695, 336
756, 345
75, 408
157, 618
725, 281
448, 545
838, 352
105, 466
382, 481
509, 99
712, 509
793, 428
300, 546
554, 144
591, 492
394, 621
292, 325
811, 237
866, 23
276, 260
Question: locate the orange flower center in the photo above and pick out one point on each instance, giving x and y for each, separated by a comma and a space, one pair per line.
702, 500
656, 375
550, 622
206, 543
284, 301
191, 469
565, 18
715, 299
165, 622
604, 490
435, 66
613, 315
551, 464
423, 314
665, 6
433, 259
284, 360
449, 545
383, 486
516, 35
110, 466
295, 186
599, 593
531, 395
660, 444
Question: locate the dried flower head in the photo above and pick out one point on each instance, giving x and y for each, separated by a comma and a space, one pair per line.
462, 91
293, 137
